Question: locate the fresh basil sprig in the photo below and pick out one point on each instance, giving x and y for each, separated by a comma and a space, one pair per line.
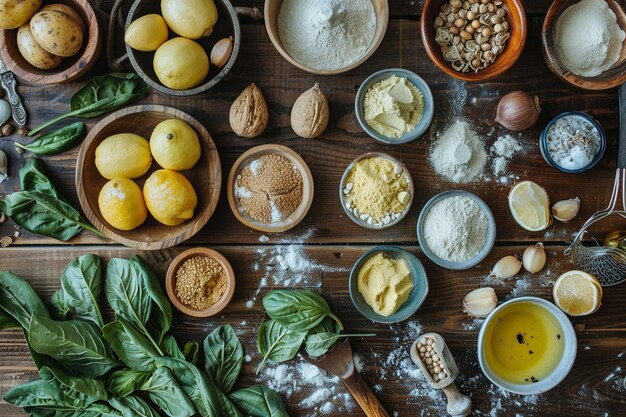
56, 142
298, 310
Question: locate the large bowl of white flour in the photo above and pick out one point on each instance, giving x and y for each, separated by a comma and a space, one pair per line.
326, 36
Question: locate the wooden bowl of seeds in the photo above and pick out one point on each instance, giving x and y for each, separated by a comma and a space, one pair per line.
270, 188
200, 282
474, 40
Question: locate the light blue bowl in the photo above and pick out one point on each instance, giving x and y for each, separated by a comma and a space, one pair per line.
417, 81
416, 297
489, 241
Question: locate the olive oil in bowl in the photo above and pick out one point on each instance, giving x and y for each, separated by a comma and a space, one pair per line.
525, 345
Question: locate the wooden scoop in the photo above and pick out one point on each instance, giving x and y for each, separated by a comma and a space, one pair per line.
458, 403
340, 362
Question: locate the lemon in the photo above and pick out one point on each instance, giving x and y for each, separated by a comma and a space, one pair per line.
146, 33
530, 206
192, 19
181, 63
124, 155
577, 293
175, 145
121, 204
170, 197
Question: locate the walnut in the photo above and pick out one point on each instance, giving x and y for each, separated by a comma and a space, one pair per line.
248, 114
309, 115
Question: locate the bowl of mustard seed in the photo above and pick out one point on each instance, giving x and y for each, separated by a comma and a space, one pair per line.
200, 282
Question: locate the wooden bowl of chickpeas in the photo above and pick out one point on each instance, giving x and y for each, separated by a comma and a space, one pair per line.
474, 40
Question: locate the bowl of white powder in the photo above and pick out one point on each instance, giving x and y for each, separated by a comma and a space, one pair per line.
584, 44
456, 230
326, 36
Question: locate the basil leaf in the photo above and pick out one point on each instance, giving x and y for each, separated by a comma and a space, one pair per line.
133, 406
18, 299
91, 388
160, 320
319, 344
167, 394
126, 381
101, 95
297, 309
33, 178
277, 343
56, 142
81, 285
129, 345
170, 348
190, 352
40, 393
93, 410
76, 344
259, 401
327, 325
58, 306
227, 407
7, 322
223, 355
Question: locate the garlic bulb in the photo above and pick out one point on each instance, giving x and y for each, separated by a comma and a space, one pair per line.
5, 111
534, 258
4, 166
566, 210
220, 54
506, 267
518, 111
480, 302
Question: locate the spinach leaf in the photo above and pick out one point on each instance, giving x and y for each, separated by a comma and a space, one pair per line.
259, 401
297, 310
91, 388
56, 142
190, 352
170, 348
101, 95
40, 393
223, 354
318, 344
18, 299
227, 407
278, 343
45, 215
198, 387
161, 318
58, 306
133, 406
7, 322
81, 285
33, 178
165, 392
126, 381
76, 344
130, 346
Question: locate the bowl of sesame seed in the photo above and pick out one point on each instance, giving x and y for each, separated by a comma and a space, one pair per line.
200, 282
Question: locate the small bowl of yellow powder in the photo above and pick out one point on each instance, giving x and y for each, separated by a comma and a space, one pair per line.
200, 282
376, 191
394, 106
388, 284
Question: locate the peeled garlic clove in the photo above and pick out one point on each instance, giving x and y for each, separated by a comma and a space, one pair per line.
220, 54
566, 210
534, 258
5, 111
4, 166
480, 302
507, 267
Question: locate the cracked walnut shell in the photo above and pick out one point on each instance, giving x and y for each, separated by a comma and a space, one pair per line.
248, 114
309, 115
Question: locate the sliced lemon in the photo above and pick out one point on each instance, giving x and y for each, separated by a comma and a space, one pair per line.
577, 293
530, 206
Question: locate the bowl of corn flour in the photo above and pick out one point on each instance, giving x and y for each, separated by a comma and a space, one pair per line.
456, 230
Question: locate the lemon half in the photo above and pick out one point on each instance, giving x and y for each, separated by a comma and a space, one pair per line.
530, 206
577, 293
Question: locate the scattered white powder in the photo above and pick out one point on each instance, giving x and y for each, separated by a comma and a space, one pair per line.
326, 34
458, 154
263, 239
254, 166
455, 229
243, 192
248, 358
277, 216
503, 151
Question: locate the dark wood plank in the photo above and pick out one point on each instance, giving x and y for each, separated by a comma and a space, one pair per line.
593, 387
344, 140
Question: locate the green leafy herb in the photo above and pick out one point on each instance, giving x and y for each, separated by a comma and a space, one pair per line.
92, 388
167, 394
259, 401
101, 95
7, 322
160, 320
227, 407
77, 344
223, 355
129, 345
278, 343
126, 381
18, 299
133, 406
56, 142
298, 310
190, 352
33, 177
318, 344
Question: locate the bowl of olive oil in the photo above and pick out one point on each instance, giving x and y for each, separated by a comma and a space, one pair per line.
526, 346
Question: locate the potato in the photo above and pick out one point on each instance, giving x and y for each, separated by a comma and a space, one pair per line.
14, 13
67, 10
32, 52
57, 32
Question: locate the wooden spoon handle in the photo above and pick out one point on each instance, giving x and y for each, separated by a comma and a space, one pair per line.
458, 403
364, 396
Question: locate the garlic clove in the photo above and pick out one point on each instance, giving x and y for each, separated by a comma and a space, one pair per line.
507, 267
221, 52
566, 210
480, 302
4, 166
534, 258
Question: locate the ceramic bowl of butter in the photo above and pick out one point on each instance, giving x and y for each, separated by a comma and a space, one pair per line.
388, 284
394, 106
456, 230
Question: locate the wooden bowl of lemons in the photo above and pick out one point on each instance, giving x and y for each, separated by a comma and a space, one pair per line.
148, 176
181, 47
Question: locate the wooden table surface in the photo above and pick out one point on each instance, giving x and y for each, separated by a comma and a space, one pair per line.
332, 243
